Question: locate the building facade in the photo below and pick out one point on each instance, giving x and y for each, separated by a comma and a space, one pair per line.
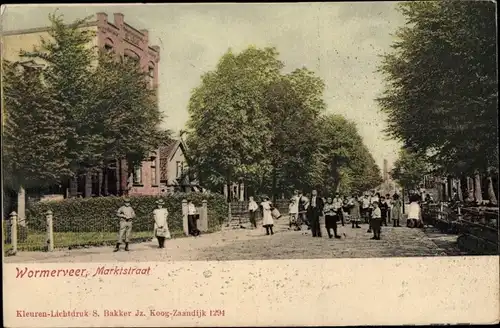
123, 39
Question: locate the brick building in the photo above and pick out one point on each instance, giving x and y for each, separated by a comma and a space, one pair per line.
124, 40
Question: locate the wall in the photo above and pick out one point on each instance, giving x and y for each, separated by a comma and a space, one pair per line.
172, 165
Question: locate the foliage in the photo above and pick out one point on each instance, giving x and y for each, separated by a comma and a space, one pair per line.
348, 166
250, 122
227, 126
441, 95
99, 214
409, 169
81, 111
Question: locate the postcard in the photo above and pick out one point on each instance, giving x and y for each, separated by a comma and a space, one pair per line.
250, 164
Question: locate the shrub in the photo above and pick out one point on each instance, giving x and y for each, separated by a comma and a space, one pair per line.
99, 214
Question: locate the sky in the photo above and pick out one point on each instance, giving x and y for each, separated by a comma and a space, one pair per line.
340, 42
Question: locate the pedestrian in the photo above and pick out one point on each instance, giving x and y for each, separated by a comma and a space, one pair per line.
354, 211
303, 203
160, 216
192, 218
330, 211
314, 211
414, 213
267, 218
293, 213
396, 210
384, 209
388, 199
376, 221
252, 211
126, 214
365, 208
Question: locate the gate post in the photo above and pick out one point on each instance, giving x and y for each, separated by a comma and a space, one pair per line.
13, 232
185, 225
50, 230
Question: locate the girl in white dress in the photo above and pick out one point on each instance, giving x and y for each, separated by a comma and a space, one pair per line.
160, 216
267, 218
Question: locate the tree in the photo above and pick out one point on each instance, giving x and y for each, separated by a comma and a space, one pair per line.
227, 126
34, 140
442, 79
99, 108
348, 166
409, 169
293, 105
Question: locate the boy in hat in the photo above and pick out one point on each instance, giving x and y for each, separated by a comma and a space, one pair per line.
126, 214
160, 216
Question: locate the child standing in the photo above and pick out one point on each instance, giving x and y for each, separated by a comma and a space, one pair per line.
376, 221
396, 210
354, 211
414, 213
252, 211
267, 218
293, 212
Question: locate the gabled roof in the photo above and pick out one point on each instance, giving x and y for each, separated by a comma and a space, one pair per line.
167, 152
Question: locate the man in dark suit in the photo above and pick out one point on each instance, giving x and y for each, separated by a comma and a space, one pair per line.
314, 211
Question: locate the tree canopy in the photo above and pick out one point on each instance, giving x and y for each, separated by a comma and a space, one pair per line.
250, 122
409, 169
81, 110
441, 94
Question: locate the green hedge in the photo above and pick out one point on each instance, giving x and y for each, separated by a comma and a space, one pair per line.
99, 214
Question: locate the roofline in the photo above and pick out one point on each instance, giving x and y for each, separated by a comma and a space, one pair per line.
41, 29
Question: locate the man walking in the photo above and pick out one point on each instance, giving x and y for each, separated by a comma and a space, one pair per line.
314, 211
126, 214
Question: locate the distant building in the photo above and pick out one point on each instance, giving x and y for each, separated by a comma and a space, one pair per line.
124, 40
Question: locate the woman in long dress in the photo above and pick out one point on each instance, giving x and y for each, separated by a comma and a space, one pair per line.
160, 216
396, 210
267, 218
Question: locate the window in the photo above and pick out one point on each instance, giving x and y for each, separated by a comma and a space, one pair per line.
153, 172
180, 168
108, 48
151, 75
138, 174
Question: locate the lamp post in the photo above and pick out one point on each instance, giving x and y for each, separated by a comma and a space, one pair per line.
402, 171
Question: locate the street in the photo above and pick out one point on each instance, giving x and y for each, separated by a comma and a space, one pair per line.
248, 244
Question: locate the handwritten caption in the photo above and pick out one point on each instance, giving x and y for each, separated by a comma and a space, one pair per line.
120, 313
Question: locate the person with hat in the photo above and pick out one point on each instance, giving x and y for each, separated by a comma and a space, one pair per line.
160, 216
126, 214
193, 217
267, 217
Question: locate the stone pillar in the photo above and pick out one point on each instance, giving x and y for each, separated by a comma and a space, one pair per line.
21, 206
226, 191
203, 221
50, 231
242, 192
185, 225
13, 232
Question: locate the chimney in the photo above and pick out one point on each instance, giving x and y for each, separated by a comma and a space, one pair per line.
102, 17
145, 33
118, 19
156, 48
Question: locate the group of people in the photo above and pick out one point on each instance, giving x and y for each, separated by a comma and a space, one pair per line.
126, 214
372, 209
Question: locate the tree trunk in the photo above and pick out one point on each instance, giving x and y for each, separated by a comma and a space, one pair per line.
88, 185
21, 206
470, 189
274, 191
459, 190
105, 178
478, 193
100, 181
491, 192
73, 186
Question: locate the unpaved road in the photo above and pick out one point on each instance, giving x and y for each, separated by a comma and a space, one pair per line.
249, 244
